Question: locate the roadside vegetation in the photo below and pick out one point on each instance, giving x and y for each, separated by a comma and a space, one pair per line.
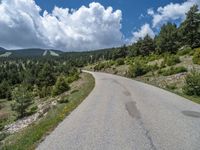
50, 87
30, 87
171, 60
32, 135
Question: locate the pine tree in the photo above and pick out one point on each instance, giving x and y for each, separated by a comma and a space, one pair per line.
23, 99
46, 76
5, 90
120, 53
189, 30
147, 45
167, 41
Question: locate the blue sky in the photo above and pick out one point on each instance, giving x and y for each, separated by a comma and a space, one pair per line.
79, 25
132, 10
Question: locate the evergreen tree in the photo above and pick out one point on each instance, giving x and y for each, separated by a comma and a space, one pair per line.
46, 76
5, 90
147, 45
120, 53
166, 41
189, 30
135, 48
23, 99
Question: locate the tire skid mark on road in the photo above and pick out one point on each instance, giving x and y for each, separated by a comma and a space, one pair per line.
193, 114
134, 112
132, 109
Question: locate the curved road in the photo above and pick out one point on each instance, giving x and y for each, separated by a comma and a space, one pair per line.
123, 114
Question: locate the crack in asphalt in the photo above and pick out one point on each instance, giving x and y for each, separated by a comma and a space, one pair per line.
147, 135
133, 111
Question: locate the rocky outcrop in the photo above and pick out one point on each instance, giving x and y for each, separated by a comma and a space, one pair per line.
26, 121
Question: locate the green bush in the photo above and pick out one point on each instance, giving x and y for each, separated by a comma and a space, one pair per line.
3, 119
192, 84
119, 61
184, 50
152, 57
74, 91
196, 56
172, 70
60, 87
3, 136
103, 65
171, 86
153, 67
32, 110
171, 60
72, 78
137, 69
45, 91
99, 66
63, 99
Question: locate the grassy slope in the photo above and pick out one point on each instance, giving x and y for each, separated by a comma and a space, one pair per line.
173, 83
31, 136
164, 82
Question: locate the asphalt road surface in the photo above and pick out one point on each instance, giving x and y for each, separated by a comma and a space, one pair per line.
123, 114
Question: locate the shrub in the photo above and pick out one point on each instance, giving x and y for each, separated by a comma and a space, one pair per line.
3, 136
152, 57
60, 87
171, 60
137, 69
45, 91
192, 84
184, 50
63, 99
171, 86
119, 61
103, 65
32, 110
153, 67
111, 62
74, 91
3, 119
172, 70
196, 56
72, 78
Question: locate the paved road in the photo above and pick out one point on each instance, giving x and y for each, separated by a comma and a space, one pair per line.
122, 114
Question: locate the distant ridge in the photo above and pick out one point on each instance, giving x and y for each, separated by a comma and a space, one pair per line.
30, 52
2, 49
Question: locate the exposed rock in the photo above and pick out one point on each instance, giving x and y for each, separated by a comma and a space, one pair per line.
20, 124
26, 121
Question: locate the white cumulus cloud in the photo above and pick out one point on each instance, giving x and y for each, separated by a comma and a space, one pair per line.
171, 12
86, 28
142, 32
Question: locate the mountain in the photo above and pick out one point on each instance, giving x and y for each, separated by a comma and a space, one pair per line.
2, 49
32, 52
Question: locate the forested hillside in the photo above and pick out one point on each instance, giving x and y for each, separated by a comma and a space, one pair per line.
31, 78
171, 60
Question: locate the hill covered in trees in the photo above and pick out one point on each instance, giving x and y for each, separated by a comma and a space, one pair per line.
31, 75
28, 53
171, 60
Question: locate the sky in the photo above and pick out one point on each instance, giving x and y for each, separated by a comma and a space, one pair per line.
79, 25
